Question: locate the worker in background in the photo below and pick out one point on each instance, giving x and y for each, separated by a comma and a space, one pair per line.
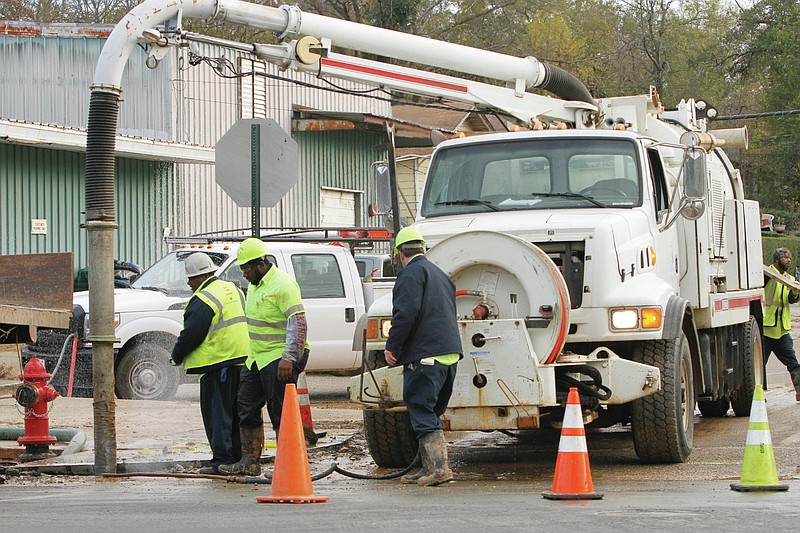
424, 338
777, 317
276, 321
214, 344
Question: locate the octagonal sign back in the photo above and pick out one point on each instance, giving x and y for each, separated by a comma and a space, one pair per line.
278, 162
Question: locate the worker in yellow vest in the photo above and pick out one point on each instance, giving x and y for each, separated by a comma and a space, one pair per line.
777, 317
276, 321
214, 344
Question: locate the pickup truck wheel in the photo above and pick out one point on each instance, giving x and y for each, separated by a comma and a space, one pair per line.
145, 373
663, 423
390, 439
752, 369
375, 359
714, 408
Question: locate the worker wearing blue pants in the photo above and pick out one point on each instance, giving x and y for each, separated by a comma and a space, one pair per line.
214, 344
425, 339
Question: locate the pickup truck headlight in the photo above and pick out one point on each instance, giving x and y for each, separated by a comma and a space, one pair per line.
86, 329
637, 318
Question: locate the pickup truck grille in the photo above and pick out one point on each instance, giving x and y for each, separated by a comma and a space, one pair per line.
569, 257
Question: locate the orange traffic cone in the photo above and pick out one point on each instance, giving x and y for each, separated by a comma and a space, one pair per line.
759, 472
291, 477
573, 478
305, 411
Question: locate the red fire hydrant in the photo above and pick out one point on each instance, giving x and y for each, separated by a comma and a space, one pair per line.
33, 395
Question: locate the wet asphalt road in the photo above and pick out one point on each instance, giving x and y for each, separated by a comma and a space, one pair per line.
500, 479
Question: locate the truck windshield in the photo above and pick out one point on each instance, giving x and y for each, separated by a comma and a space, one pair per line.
533, 174
168, 275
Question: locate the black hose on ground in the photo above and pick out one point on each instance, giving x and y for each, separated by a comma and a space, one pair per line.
257, 480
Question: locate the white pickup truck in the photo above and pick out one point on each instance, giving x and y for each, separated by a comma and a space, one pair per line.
149, 316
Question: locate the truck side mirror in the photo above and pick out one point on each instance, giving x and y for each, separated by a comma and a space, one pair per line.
694, 184
694, 174
379, 182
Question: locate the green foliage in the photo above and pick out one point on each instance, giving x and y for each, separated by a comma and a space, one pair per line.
769, 243
770, 46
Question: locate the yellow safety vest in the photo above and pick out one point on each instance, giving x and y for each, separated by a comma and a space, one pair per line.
227, 335
777, 316
270, 303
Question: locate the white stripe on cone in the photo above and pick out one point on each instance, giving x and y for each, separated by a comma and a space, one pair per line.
572, 444
758, 411
572, 416
758, 437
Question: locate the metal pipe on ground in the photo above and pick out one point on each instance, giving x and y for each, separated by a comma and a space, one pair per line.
75, 437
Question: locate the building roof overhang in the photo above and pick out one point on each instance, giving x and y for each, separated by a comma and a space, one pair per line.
74, 140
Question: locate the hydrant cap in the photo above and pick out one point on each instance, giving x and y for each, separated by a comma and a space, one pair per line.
34, 369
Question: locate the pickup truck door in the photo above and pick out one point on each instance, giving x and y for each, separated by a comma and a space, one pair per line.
327, 288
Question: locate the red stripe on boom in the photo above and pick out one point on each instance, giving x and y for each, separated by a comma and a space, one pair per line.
334, 63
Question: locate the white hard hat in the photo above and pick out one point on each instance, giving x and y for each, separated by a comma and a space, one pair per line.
198, 264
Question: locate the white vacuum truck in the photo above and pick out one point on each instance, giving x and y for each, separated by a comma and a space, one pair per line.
599, 243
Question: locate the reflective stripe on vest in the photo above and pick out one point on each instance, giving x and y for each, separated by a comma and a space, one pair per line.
227, 335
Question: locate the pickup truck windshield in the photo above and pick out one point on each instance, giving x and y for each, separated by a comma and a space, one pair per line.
168, 274
533, 174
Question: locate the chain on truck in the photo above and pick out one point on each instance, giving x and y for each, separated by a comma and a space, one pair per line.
600, 243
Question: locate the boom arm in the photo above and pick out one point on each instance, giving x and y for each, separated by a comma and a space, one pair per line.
313, 54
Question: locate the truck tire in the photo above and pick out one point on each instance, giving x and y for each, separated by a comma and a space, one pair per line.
663, 423
375, 359
145, 373
752, 369
714, 408
390, 440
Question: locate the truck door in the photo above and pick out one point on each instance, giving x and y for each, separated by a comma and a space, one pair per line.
330, 308
666, 243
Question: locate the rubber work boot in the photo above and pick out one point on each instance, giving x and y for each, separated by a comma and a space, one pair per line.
436, 450
252, 445
409, 479
795, 373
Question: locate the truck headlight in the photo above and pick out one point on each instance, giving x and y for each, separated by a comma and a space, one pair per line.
386, 325
637, 318
624, 319
86, 329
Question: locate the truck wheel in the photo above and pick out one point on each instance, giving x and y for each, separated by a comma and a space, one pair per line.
145, 373
752, 369
663, 423
390, 440
375, 359
714, 408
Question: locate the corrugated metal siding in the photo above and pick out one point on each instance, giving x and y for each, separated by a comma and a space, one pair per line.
190, 105
338, 159
49, 184
49, 81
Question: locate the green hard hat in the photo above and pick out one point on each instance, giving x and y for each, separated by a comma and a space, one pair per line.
250, 249
408, 234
